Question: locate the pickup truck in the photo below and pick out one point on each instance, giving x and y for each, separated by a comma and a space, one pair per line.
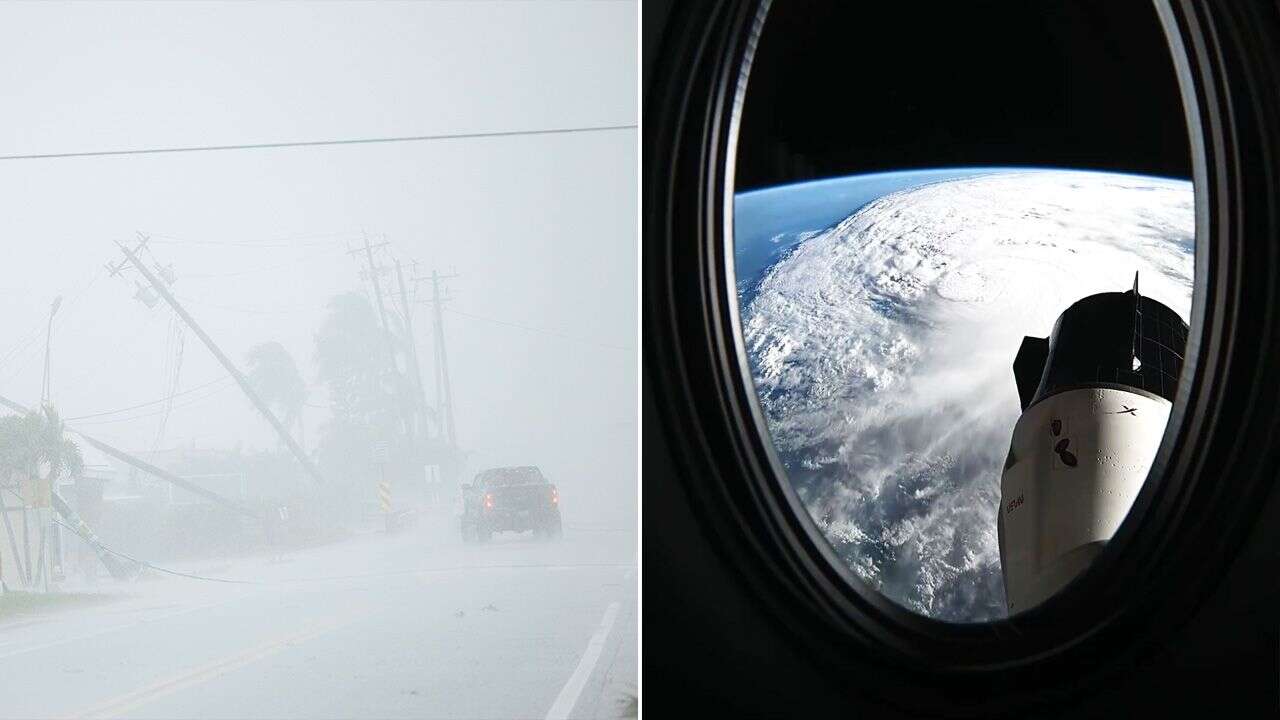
512, 499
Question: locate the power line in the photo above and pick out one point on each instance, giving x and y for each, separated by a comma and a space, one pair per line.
23, 345
144, 563
283, 241
327, 252
540, 331
153, 413
145, 324
318, 143
282, 310
159, 281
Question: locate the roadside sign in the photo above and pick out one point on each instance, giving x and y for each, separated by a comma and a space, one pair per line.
433, 483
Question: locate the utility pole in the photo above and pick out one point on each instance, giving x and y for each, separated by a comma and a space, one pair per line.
230, 367
449, 461
45, 390
44, 518
444, 393
386, 329
412, 342
78, 525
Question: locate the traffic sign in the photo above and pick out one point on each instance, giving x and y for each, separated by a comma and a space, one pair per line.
381, 452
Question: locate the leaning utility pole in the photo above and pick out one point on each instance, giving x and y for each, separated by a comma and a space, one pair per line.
230, 367
444, 393
386, 328
412, 342
145, 466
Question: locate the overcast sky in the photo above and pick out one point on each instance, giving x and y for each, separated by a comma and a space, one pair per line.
540, 230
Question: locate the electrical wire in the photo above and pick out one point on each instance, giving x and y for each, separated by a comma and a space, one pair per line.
192, 401
38, 329
177, 334
145, 324
361, 576
188, 391
541, 331
287, 241
287, 310
328, 252
157, 568
318, 143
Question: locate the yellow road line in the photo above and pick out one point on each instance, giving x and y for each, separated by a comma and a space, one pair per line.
122, 704
27, 648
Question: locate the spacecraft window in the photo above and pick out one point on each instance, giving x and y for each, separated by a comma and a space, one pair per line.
889, 253
849, 246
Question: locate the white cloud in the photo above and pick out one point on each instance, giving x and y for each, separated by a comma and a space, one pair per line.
882, 351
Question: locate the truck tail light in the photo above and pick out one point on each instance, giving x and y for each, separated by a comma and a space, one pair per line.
488, 502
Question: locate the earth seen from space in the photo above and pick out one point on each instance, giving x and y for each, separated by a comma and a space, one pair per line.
881, 314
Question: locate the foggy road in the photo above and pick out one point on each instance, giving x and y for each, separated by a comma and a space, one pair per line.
316, 287
416, 625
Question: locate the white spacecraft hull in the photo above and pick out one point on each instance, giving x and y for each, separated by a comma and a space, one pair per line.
1076, 462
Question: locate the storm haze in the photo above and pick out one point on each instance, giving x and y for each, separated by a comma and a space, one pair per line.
539, 230
323, 273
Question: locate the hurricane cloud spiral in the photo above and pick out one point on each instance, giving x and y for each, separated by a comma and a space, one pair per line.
882, 351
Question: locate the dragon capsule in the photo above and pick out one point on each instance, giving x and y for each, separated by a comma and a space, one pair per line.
1096, 396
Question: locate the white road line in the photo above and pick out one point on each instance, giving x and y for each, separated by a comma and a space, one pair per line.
132, 700
568, 696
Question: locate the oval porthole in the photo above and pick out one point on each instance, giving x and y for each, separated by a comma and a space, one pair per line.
963, 267
890, 259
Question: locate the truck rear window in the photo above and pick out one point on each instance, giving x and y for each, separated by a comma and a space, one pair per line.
503, 477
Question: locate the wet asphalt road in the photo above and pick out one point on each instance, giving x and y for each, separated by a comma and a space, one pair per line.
410, 626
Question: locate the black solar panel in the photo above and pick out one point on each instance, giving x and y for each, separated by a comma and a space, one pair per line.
1096, 339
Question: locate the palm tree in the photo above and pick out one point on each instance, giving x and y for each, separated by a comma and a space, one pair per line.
364, 385
30, 443
55, 450
37, 441
274, 375
17, 447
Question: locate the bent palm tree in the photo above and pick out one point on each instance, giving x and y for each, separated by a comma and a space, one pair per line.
275, 377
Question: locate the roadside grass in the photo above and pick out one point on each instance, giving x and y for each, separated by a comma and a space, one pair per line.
20, 603
630, 706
